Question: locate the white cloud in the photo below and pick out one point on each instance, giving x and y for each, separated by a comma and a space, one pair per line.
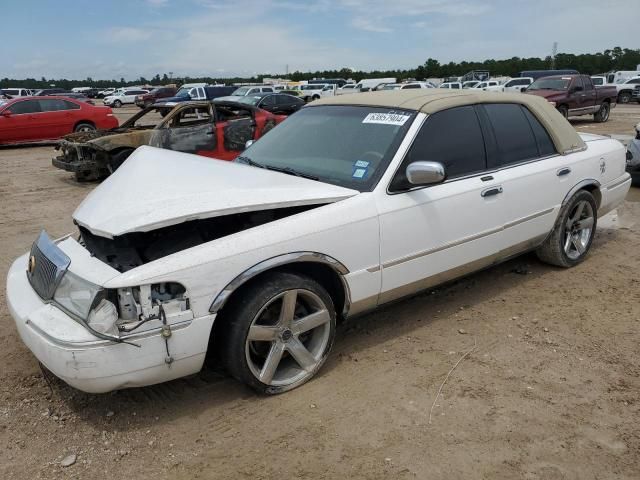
126, 35
157, 3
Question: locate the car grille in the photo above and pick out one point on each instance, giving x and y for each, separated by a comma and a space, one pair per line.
47, 265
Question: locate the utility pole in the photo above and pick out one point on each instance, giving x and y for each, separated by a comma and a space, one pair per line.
554, 52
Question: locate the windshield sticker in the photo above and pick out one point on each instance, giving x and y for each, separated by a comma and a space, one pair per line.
361, 164
386, 119
359, 173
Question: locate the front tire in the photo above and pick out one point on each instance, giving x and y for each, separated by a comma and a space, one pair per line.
572, 235
117, 104
278, 332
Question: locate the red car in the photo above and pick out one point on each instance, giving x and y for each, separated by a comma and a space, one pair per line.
34, 119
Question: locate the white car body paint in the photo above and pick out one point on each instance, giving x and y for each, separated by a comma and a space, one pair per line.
184, 187
376, 235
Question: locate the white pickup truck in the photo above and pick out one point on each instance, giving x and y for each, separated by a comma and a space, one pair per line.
314, 91
625, 90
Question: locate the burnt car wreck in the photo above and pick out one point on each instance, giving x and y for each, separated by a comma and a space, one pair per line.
218, 130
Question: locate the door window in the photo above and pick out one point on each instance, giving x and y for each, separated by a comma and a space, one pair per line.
54, 105
190, 117
452, 137
26, 106
514, 137
268, 101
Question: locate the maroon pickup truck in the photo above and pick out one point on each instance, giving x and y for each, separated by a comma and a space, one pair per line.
575, 95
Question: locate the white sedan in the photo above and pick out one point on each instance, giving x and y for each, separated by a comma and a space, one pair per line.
350, 206
123, 97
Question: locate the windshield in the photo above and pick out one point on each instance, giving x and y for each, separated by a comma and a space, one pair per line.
183, 92
342, 145
249, 99
550, 84
241, 91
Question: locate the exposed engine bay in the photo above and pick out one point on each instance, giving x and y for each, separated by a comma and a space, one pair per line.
131, 250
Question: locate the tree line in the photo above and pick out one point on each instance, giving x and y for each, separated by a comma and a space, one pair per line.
588, 63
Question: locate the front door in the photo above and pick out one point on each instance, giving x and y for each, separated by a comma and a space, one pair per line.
438, 232
190, 129
22, 123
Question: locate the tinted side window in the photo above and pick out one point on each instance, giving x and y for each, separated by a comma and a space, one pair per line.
284, 100
268, 101
515, 141
71, 105
545, 145
27, 106
441, 140
411, 86
587, 83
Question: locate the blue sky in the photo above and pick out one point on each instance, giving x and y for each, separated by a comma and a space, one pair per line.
79, 39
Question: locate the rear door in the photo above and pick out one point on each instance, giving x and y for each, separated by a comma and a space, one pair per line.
534, 178
58, 116
235, 126
590, 100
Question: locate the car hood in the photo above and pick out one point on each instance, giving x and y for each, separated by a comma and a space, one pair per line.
109, 139
157, 188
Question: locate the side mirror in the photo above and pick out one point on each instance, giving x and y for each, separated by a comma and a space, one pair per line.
248, 143
425, 173
577, 89
6, 113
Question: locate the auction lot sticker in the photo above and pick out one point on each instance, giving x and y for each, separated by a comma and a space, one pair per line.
386, 118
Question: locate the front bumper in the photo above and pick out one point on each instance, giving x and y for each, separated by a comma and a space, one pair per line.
87, 363
80, 165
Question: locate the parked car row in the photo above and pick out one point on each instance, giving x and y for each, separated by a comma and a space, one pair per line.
353, 202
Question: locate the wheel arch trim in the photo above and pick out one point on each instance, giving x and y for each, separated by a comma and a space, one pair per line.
278, 261
589, 182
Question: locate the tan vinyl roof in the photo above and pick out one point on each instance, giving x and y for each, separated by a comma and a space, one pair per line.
429, 101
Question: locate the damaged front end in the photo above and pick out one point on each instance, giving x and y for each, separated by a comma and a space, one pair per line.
87, 161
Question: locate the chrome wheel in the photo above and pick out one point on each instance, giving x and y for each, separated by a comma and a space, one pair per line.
288, 337
578, 230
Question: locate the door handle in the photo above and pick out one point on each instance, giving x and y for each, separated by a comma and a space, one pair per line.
489, 192
563, 171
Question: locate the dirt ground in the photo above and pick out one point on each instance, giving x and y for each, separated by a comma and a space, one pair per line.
548, 390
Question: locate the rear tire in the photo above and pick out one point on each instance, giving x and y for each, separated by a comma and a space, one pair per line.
572, 235
84, 127
277, 333
602, 115
624, 97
